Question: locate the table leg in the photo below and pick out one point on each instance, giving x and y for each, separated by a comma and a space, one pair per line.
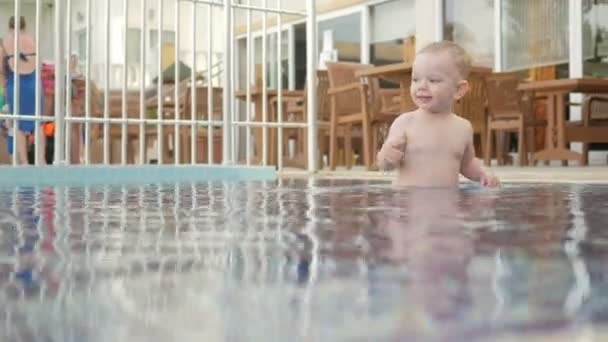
405, 92
257, 132
272, 135
555, 143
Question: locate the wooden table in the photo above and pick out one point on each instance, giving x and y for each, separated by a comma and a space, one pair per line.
558, 133
257, 97
402, 73
399, 73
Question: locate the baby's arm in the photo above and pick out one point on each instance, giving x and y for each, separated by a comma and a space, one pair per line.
472, 168
392, 151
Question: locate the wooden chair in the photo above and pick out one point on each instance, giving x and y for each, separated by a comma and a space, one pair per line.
594, 115
509, 111
473, 108
133, 111
356, 103
202, 132
295, 110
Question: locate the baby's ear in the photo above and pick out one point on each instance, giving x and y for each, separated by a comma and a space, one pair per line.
461, 89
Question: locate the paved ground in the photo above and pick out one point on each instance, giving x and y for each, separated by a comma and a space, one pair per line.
545, 174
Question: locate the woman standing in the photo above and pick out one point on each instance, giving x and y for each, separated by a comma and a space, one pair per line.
27, 86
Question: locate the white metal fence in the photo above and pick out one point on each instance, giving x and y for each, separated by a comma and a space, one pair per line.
96, 122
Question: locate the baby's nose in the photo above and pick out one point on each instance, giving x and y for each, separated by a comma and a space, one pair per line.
422, 84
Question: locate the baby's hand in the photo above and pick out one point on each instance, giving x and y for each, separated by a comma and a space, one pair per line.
392, 153
489, 180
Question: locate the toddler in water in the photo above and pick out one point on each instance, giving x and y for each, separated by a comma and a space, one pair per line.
431, 146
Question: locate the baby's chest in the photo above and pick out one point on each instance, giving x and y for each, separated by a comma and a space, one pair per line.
440, 145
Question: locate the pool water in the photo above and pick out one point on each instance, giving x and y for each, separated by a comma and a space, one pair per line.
297, 260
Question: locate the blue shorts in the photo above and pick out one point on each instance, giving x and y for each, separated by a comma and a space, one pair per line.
27, 96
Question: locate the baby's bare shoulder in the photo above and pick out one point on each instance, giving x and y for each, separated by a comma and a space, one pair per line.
404, 119
461, 123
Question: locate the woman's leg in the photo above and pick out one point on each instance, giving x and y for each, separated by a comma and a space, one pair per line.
21, 148
42, 148
76, 144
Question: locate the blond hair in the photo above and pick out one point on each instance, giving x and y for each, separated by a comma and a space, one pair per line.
462, 60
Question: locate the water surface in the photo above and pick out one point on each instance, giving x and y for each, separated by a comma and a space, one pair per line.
295, 260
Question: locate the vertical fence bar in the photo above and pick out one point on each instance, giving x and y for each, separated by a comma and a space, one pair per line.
438, 20
106, 95
264, 87
193, 114
210, 84
291, 53
125, 37
311, 85
17, 79
248, 69
227, 124
176, 101
233, 102
366, 29
159, 80
280, 91
142, 80
68, 84
38, 92
59, 157
497, 35
87, 95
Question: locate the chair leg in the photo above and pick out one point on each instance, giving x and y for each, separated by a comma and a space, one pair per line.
488, 148
482, 143
322, 148
185, 148
367, 160
375, 133
585, 160
348, 147
499, 147
530, 143
333, 142
521, 145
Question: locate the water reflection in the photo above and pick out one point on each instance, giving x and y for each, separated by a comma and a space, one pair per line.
300, 260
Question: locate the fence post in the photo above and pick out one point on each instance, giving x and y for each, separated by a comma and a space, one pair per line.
227, 91
60, 34
311, 84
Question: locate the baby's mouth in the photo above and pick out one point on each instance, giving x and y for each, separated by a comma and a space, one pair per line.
424, 98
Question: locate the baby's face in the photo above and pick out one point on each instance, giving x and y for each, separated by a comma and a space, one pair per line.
436, 83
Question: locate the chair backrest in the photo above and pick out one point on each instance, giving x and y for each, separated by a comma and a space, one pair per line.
115, 104
323, 110
473, 105
202, 103
322, 97
342, 74
599, 109
504, 100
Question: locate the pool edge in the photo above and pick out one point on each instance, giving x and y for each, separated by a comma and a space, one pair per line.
115, 174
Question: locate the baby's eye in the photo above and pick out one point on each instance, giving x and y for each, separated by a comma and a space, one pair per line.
415, 79
434, 80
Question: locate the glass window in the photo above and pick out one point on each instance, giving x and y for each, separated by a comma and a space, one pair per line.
392, 24
470, 23
300, 55
595, 38
534, 33
82, 45
134, 45
346, 34
168, 37
271, 60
